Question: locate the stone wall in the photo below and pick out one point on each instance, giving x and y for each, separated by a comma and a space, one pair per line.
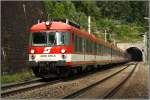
16, 20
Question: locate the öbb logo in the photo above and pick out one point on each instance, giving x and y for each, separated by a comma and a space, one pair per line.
47, 50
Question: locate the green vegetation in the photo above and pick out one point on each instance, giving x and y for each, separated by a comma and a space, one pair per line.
17, 77
124, 20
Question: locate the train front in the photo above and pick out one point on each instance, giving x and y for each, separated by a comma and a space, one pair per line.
49, 48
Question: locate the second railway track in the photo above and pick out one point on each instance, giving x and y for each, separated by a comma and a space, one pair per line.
13, 85
82, 92
24, 86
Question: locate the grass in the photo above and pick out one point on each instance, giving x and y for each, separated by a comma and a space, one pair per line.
17, 77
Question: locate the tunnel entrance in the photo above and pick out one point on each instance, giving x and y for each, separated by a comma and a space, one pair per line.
136, 54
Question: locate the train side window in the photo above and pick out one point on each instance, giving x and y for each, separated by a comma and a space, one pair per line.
67, 38
90, 46
101, 49
76, 43
104, 49
107, 50
86, 45
83, 44
92, 49
95, 47
80, 44
90, 42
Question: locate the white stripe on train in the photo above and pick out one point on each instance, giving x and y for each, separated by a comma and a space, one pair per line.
70, 57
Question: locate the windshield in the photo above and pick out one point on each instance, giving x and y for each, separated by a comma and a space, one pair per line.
39, 38
50, 38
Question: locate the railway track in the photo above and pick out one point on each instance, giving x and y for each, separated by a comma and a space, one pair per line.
13, 85
11, 90
82, 92
24, 86
111, 92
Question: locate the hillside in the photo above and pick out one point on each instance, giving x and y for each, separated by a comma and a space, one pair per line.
124, 20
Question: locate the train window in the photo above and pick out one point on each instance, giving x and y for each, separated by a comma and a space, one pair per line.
83, 45
97, 48
50, 38
58, 38
109, 50
87, 50
85, 41
93, 47
89, 46
80, 44
66, 36
86, 45
102, 49
39, 39
75, 42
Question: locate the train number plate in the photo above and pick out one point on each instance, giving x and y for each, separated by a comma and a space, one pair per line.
48, 56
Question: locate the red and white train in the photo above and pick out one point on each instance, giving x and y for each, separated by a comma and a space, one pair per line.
57, 48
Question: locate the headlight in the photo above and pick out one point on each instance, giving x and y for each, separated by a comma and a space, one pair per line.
32, 51
47, 23
63, 51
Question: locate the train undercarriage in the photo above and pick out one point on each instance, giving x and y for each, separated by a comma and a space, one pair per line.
49, 69
53, 69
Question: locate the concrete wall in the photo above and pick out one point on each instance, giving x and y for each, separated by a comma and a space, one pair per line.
125, 46
139, 45
16, 19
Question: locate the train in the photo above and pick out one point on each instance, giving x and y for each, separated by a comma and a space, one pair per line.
59, 47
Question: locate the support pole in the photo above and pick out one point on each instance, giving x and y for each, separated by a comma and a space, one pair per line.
67, 21
89, 24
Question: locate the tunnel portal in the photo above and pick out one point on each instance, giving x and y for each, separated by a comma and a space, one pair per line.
136, 53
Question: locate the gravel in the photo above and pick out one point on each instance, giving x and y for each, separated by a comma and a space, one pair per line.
62, 89
137, 86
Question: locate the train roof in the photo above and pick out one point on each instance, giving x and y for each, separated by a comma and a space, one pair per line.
54, 25
57, 25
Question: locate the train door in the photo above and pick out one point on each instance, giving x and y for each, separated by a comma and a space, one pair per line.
111, 53
83, 47
95, 52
